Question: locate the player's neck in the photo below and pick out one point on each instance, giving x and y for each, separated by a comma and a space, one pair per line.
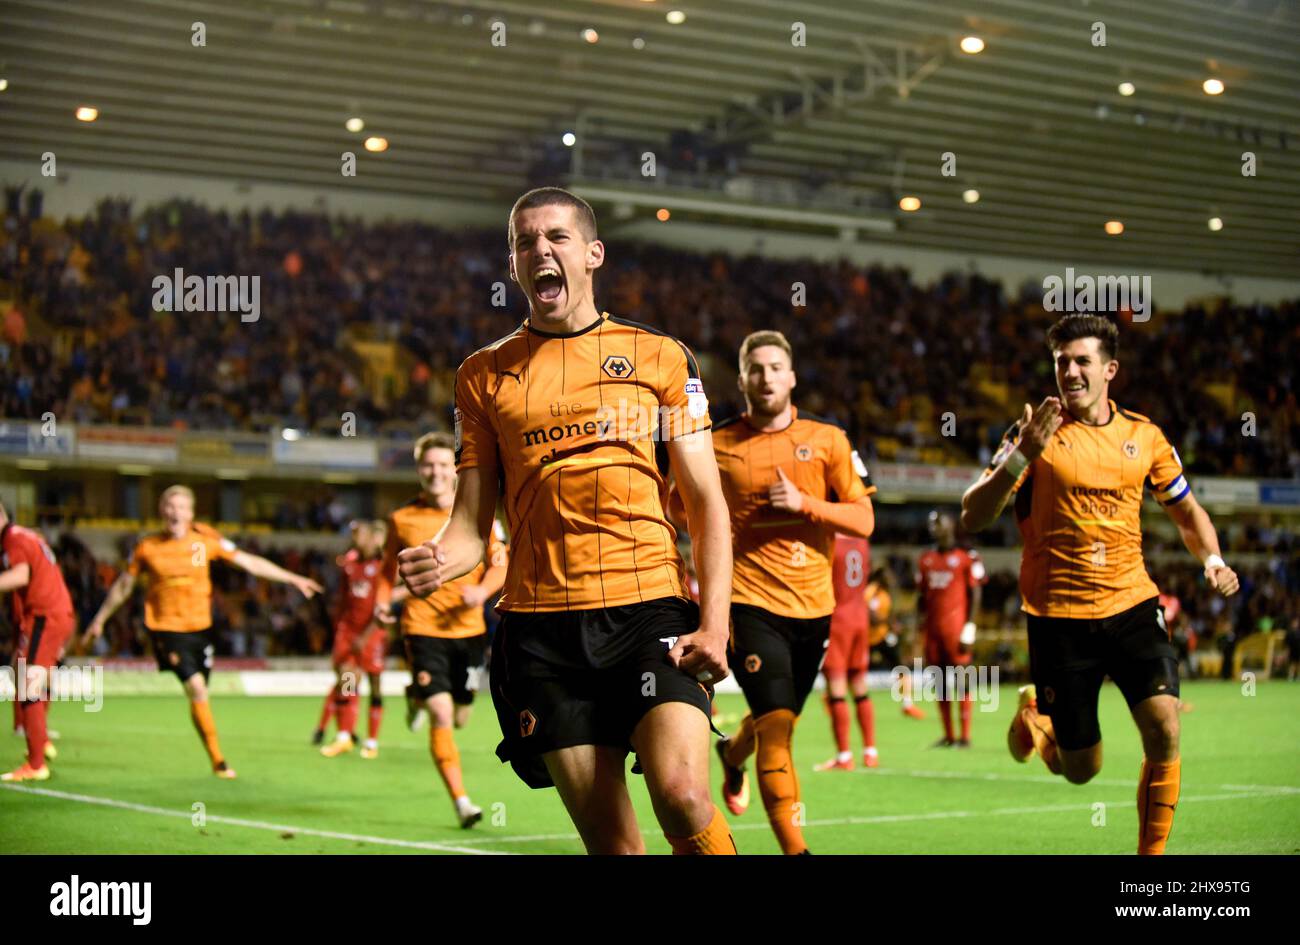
1098, 415
584, 315
771, 422
440, 501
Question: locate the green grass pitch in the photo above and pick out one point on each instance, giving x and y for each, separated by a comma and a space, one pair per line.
128, 780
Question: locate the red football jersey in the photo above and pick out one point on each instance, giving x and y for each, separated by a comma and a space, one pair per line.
357, 590
45, 594
849, 575
944, 579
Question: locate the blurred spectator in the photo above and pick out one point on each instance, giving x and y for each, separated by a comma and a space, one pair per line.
884, 356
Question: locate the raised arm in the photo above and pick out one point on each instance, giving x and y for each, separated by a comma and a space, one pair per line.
270, 571
695, 470
118, 594
459, 547
985, 499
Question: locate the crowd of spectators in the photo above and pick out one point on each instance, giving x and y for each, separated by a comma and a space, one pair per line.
888, 358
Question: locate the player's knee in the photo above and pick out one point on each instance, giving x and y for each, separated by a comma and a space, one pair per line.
1079, 769
1160, 736
688, 798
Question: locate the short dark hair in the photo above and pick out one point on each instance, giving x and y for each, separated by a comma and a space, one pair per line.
554, 196
1073, 327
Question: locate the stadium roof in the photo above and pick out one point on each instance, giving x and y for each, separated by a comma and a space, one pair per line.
824, 136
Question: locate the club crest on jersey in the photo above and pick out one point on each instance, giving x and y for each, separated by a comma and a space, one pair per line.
803, 452
423, 677
617, 367
752, 663
527, 723
1131, 449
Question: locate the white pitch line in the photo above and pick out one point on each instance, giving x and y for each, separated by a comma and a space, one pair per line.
910, 818
252, 824
1054, 779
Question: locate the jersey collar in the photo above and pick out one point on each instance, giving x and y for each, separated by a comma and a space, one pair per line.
794, 415
528, 323
1096, 426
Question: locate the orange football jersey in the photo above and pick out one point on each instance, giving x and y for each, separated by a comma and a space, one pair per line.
1079, 505
443, 613
576, 426
782, 559
178, 596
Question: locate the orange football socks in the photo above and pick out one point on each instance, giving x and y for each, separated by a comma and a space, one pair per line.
201, 714
447, 757
1157, 798
713, 840
741, 745
777, 782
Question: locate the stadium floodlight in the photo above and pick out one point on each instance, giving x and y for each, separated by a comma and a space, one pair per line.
87, 113
1215, 224
972, 45
1114, 227
376, 144
971, 196
909, 204
569, 139
675, 17
1127, 88
290, 434
1213, 86
4, 84
354, 125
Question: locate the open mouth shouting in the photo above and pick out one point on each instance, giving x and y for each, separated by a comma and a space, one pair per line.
548, 284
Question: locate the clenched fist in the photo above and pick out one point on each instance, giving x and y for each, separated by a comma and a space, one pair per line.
421, 568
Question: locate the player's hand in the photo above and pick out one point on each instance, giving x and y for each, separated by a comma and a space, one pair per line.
1038, 426
703, 654
93, 632
474, 595
421, 568
384, 614
784, 494
307, 587
1223, 579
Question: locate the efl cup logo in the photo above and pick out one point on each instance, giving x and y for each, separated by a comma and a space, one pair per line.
803, 452
1131, 449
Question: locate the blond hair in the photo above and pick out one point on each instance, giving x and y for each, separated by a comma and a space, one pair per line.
432, 441
176, 490
761, 339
